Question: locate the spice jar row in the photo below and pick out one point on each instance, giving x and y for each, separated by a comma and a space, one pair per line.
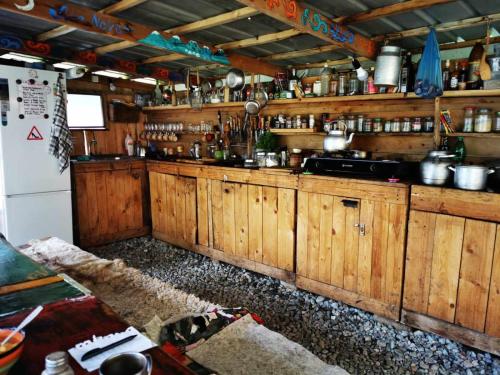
364, 124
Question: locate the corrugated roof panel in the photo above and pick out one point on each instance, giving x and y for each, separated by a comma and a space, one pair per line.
93, 4
80, 40
137, 53
23, 26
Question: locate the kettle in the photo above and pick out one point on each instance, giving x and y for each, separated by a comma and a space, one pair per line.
336, 140
195, 150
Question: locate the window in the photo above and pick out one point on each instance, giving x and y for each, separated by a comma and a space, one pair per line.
86, 111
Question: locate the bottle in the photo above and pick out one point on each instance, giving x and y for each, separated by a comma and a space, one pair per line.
406, 81
454, 77
372, 89
474, 77
129, 145
157, 94
446, 76
353, 83
57, 364
294, 80
342, 84
462, 77
325, 80
459, 150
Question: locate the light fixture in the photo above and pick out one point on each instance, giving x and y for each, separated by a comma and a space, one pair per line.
67, 65
146, 80
21, 57
361, 73
111, 74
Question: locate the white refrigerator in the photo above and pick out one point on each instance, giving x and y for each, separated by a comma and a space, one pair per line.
35, 199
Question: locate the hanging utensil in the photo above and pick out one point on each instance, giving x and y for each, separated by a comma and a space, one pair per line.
235, 79
484, 67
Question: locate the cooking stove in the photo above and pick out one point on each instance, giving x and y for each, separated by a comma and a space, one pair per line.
344, 164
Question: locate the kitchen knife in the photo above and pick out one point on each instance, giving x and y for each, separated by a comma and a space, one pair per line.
92, 353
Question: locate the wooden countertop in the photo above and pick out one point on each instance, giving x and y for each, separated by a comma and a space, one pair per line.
107, 164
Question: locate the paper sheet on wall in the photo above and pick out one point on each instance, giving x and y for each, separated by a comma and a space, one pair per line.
33, 103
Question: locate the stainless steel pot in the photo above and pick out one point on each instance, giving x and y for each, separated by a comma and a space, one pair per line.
434, 168
471, 177
388, 66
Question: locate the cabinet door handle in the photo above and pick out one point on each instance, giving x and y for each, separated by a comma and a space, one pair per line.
362, 228
349, 203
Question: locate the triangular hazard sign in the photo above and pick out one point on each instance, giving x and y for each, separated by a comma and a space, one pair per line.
34, 135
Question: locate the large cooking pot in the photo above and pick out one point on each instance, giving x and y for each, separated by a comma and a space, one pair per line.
434, 168
471, 177
388, 66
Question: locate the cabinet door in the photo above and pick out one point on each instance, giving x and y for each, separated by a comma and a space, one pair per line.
352, 244
449, 273
173, 208
110, 205
248, 221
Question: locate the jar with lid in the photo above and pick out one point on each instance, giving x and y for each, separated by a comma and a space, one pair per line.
428, 125
416, 125
353, 84
496, 123
298, 122
396, 125
387, 126
482, 121
311, 121
377, 125
367, 126
468, 120
57, 364
342, 84
334, 82
351, 123
359, 123
261, 158
272, 160
406, 127
289, 122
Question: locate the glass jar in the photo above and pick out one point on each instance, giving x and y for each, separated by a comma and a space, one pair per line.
468, 120
353, 84
428, 125
261, 158
482, 121
496, 123
298, 122
311, 121
367, 126
416, 125
360, 122
272, 160
351, 123
342, 84
289, 122
396, 126
387, 126
406, 127
377, 125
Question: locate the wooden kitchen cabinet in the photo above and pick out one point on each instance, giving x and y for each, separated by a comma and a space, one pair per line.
452, 275
350, 242
250, 225
173, 208
110, 201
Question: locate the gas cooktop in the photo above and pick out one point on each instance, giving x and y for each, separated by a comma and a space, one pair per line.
330, 166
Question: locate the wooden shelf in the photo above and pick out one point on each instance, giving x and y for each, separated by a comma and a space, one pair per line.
329, 99
321, 133
294, 131
472, 135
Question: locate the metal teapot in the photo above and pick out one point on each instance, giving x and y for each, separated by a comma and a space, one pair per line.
336, 140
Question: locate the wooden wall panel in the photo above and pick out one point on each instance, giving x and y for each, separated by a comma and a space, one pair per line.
313, 236
286, 229
395, 253
270, 226
493, 314
255, 220
241, 220
379, 250
475, 274
448, 239
419, 250
325, 238
202, 207
339, 234
217, 214
228, 192
302, 232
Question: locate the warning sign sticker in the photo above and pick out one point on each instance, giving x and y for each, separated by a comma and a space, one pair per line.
34, 135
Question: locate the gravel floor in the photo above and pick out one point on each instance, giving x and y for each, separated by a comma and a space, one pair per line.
335, 332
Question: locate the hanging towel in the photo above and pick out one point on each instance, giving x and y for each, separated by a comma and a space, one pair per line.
61, 143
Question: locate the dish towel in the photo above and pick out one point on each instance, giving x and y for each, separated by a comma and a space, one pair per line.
61, 143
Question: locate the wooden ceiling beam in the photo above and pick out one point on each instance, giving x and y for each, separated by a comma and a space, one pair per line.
164, 58
262, 39
220, 19
308, 21
447, 26
330, 63
86, 19
301, 53
390, 10
63, 30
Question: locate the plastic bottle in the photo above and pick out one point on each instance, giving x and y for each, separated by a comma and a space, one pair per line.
325, 80
129, 145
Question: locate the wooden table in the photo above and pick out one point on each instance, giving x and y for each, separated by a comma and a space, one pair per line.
61, 325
